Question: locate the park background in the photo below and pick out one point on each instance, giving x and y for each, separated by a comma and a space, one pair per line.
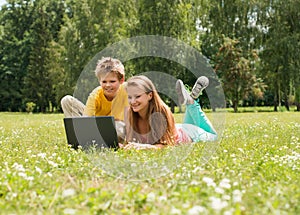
252, 46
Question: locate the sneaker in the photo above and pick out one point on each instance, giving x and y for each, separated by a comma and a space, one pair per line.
201, 83
183, 96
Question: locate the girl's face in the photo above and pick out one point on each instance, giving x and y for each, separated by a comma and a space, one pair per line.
138, 99
110, 85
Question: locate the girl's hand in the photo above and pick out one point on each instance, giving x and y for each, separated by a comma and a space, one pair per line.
122, 145
137, 146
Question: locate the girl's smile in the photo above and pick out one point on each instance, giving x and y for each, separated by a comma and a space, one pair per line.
138, 99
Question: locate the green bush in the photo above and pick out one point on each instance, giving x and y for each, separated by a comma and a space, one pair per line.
30, 107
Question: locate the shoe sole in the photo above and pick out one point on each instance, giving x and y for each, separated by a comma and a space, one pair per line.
199, 86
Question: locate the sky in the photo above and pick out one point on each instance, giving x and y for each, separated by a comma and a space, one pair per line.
2, 2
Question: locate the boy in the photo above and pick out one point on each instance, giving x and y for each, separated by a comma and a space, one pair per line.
110, 98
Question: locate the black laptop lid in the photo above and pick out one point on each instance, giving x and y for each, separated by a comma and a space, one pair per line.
98, 131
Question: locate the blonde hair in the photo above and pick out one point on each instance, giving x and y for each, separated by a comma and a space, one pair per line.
161, 123
107, 65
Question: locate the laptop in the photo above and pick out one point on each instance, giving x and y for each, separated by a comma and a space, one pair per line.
91, 132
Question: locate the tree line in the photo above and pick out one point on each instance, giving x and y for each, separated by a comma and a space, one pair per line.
252, 46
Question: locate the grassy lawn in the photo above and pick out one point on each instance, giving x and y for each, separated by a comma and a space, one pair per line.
253, 170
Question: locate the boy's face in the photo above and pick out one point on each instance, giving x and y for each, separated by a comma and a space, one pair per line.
110, 85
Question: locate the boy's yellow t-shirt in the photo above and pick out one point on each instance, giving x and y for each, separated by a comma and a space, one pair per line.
98, 105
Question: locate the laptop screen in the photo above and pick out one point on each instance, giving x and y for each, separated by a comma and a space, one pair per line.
96, 131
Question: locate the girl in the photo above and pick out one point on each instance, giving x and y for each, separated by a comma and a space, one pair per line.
149, 123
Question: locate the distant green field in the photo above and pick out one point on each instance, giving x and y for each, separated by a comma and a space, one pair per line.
253, 170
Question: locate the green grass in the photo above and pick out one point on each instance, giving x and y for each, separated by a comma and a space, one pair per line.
254, 170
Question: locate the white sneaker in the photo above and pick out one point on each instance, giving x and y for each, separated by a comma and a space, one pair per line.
183, 96
201, 83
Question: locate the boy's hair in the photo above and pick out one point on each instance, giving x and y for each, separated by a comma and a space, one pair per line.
108, 64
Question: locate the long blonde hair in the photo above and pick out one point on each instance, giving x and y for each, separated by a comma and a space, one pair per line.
161, 123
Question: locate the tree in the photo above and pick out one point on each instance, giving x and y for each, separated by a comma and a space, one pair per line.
235, 72
236, 21
28, 28
297, 98
15, 21
44, 29
280, 50
174, 19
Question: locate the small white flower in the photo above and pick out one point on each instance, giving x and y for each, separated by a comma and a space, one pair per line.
228, 212
53, 163
68, 192
235, 183
209, 181
29, 178
226, 197
11, 195
162, 198
217, 204
237, 196
18, 167
186, 205
195, 183
69, 211
42, 155
22, 174
38, 170
196, 210
175, 211
169, 184
225, 183
241, 150
151, 197
219, 190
